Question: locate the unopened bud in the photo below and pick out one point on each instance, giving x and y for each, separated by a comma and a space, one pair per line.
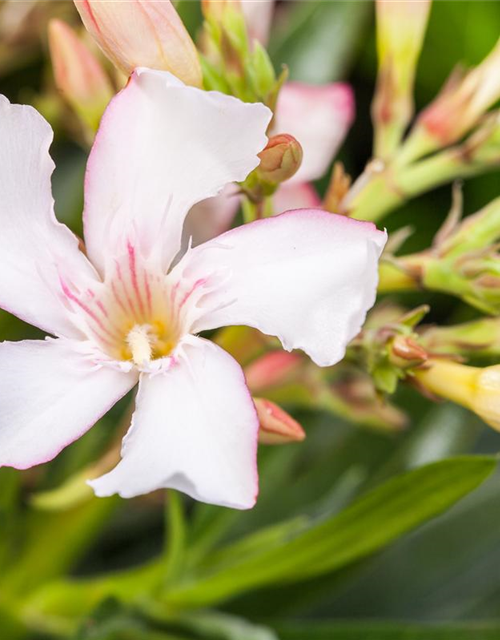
463, 101
276, 425
218, 9
400, 33
280, 159
272, 369
139, 33
78, 74
476, 388
405, 352
257, 15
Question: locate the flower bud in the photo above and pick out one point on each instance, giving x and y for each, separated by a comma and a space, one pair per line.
475, 388
280, 159
457, 109
272, 369
406, 353
217, 9
139, 33
400, 33
476, 338
78, 74
276, 425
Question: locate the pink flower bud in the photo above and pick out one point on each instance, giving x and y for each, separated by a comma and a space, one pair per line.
463, 100
280, 159
276, 425
140, 33
272, 369
78, 74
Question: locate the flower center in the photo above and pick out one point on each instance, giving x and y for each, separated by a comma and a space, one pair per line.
145, 342
137, 314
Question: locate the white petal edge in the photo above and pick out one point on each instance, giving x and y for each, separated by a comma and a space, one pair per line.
307, 277
51, 395
211, 217
35, 249
162, 147
194, 429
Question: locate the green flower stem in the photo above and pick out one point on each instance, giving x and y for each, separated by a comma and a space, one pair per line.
175, 549
394, 278
396, 184
387, 137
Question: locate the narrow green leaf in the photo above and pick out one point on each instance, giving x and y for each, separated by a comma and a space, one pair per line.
318, 40
370, 523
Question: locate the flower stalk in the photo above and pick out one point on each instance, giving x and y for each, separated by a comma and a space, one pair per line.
401, 28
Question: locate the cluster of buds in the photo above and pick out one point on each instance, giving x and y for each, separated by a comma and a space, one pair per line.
152, 35
388, 346
435, 151
233, 62
463, 261
345, 391
131, 34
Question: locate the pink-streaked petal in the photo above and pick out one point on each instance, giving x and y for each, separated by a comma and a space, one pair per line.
319, 117
211, 217
258, 17
161, 148
195, 429
51, 394
35, 249
307, 277
301, 195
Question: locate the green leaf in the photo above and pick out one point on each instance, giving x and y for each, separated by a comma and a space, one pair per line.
369, 524
318, 39
389, 631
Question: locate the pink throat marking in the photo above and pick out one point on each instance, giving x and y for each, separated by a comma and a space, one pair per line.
134, 295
